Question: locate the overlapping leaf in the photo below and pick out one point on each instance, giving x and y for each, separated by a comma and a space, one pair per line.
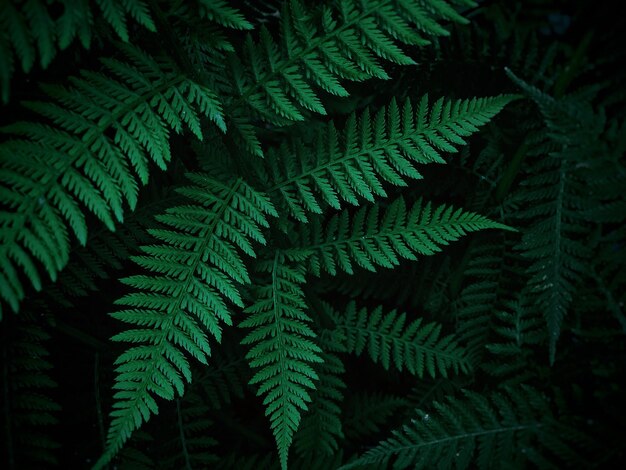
352, 165
182, 300
103, 133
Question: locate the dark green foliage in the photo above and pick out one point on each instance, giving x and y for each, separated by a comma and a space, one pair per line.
385, 234
30, 30
28, 410
321, 428
368, 413
192, 444
501, 429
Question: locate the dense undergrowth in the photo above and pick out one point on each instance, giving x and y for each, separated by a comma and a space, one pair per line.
301, 234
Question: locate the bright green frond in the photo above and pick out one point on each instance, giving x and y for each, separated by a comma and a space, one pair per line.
280, 81
283, 350
223, 14
369, 239
179, 305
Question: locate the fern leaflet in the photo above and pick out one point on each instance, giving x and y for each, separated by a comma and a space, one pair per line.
321, 428
517, 329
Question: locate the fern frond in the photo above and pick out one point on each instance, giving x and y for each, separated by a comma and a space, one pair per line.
104, 130
190, 277
283, 350
390, 340
28, 410
352, 165
509, 428
29, 30
554, 197
321, 427
277, 80
370, 240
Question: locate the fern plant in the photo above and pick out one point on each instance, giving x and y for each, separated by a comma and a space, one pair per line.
384, 234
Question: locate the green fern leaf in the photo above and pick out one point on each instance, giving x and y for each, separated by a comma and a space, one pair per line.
389, 339
191, 277
105, 127
554, 197
504, 429
220, 12
353, 165
370, 240
283, 350
277, 79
